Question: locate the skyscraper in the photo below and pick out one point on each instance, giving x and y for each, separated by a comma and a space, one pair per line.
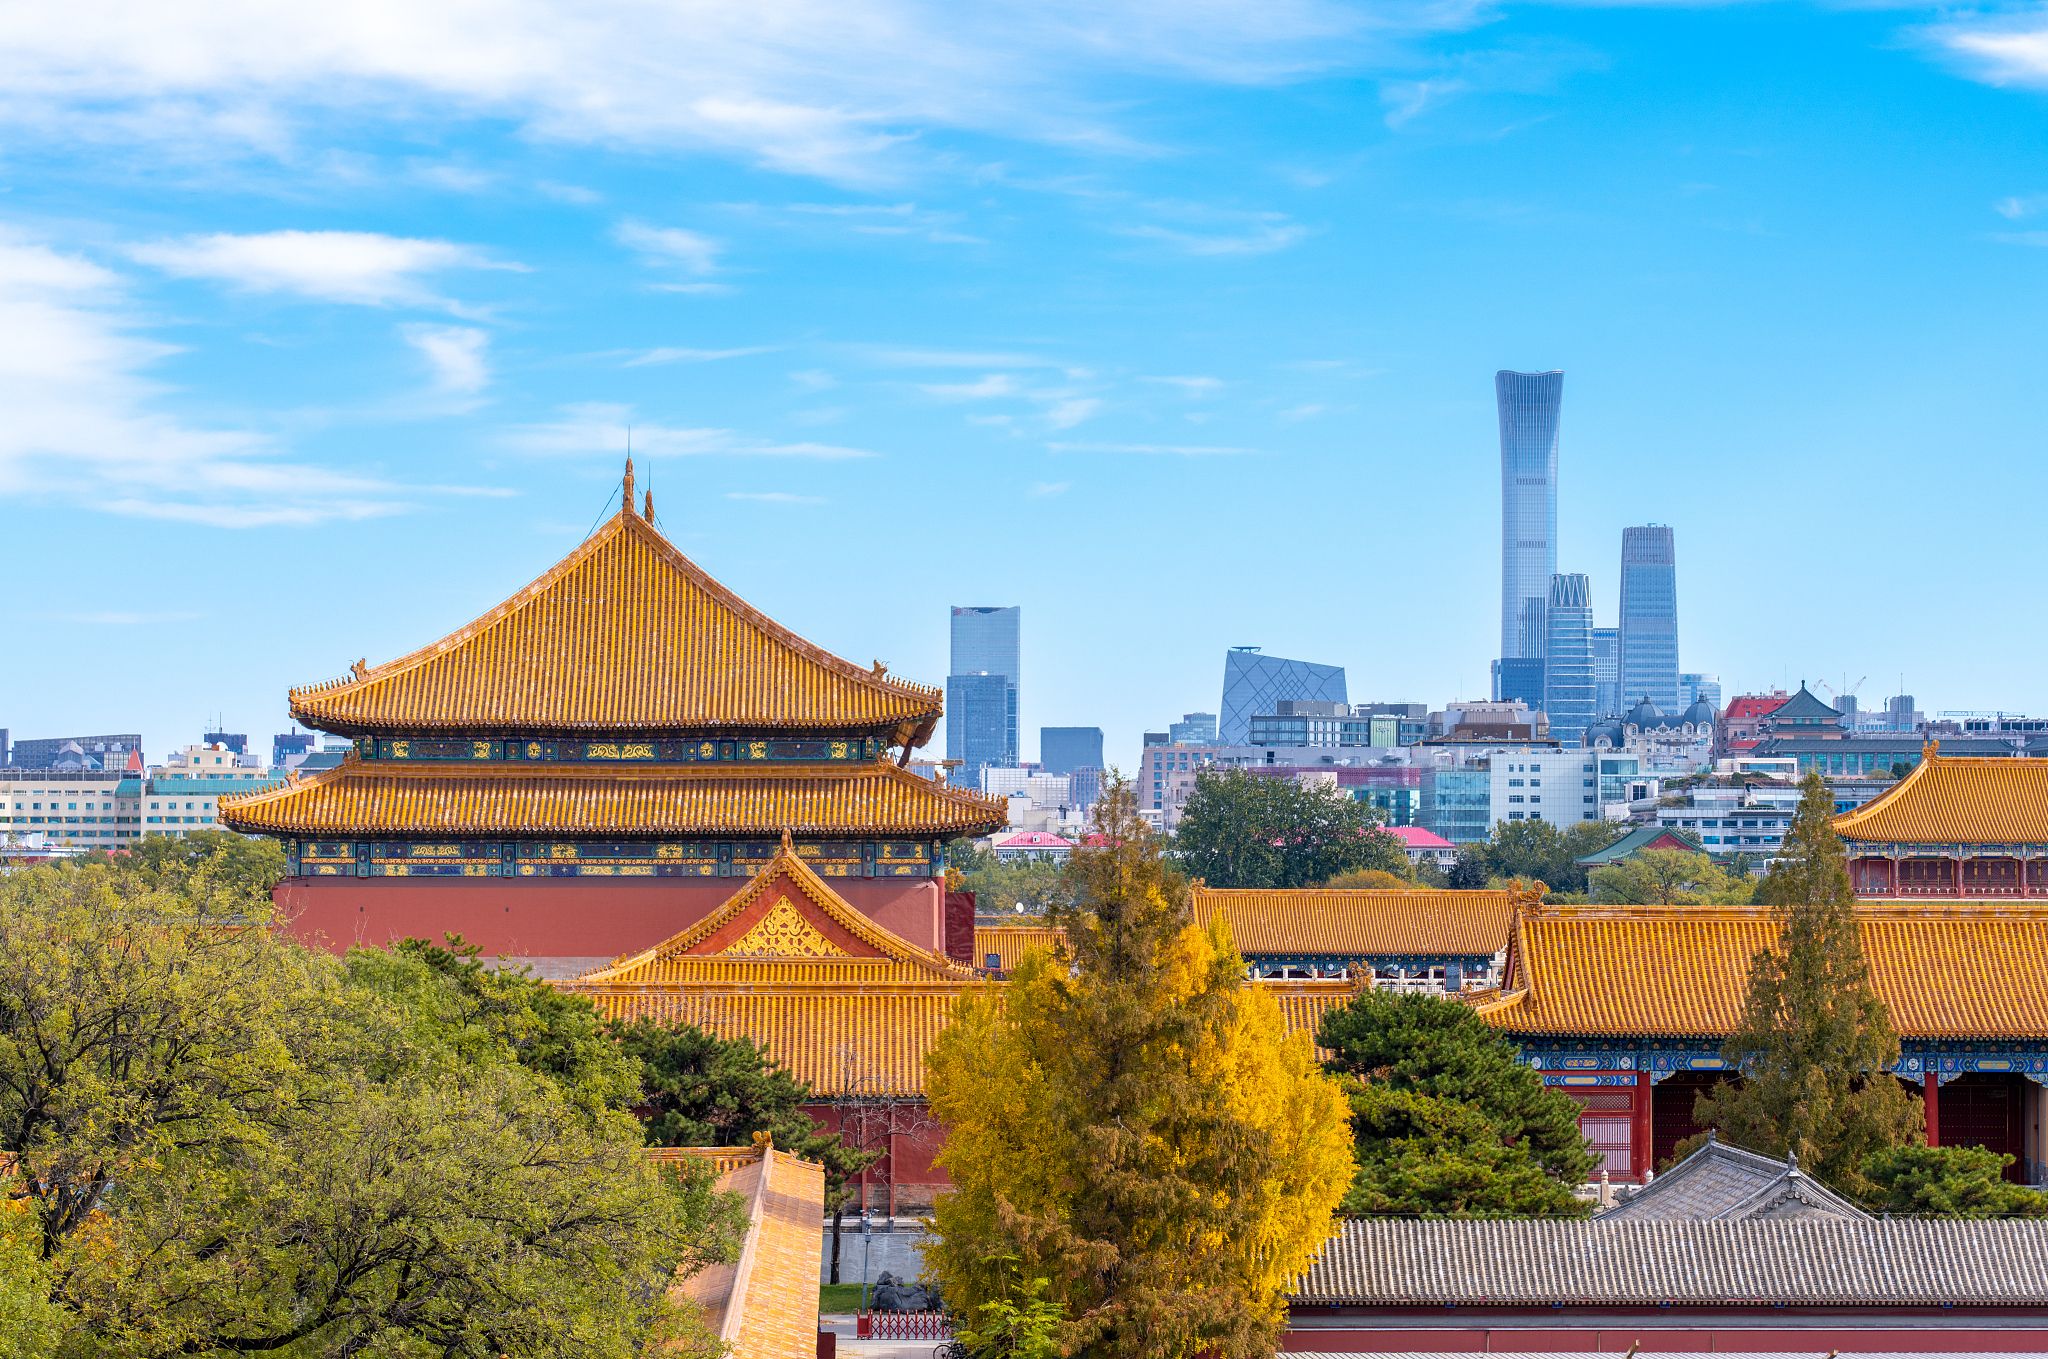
1193, 729
1529, 404
1062, 750
1607, 672
1253, 684
1569, 689
1649, 618
987, 641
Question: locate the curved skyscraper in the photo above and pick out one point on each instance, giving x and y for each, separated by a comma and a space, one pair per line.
1529, 405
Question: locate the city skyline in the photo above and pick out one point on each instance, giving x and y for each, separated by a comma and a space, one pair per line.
332, 365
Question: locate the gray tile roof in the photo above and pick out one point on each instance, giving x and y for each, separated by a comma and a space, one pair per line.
1720, 1181
1743, 1263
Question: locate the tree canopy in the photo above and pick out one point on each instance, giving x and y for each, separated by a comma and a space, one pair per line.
1419, 1044
1536, 851
1132, 1123
1948, 1182
230, 1144
1250, 830
1815, 1045
1424, 1155
1659, 877
1006, 885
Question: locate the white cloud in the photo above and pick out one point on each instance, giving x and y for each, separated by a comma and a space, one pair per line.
806, 86
358, 267
1296, 414
776, 497
1261, 238
2037, 238
456, 354
653, 356
601, 428
2017, 207
995, 384
1192, 386
1049, 488
889, 357
2000, 51
1070, 412
1183, 450
694, 251
814, 379
86, 425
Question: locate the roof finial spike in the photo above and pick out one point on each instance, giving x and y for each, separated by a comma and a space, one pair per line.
648, 513
626, 503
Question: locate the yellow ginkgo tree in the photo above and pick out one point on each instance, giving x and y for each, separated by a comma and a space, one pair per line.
1130, 1121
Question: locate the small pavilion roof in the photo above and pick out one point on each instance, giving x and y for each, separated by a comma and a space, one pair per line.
1360, 922
1721, 1182
1949, 800
1683, 971
1642, 837
625, 634
841, 1001
1415, 837
1803, 706
870, 799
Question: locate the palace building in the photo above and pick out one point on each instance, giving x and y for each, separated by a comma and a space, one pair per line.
603, 759
1968, 829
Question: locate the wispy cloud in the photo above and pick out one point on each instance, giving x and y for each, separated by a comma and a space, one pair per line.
1270, 233
2017, 207
776, 497
1180, 450
1295, 414
1067, 413
85, 426
653, 356
995, 384
456, 355
116, 619
2009, 49
1191, 386
1049, 488
357, 267
889, 357
695, 252
602, 428
2036, 238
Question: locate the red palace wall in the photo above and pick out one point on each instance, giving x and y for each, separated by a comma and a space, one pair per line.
597, 918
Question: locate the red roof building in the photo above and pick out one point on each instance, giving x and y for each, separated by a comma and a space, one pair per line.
1741, 725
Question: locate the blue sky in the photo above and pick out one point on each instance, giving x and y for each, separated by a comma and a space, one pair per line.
320, 329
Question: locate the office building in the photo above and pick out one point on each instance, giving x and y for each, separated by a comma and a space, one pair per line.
1519, 679
1569, 691
978, 714
236, 741
1533, 784
1062, 750
1158, 738
1649, 618
1607, 672
1084, 787
288, 748
1193, 729
1254, 684
1529, 404
75, 752
986, 642
1457, 801
1694, 687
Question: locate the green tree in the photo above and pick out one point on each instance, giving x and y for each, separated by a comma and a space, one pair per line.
1948, 1182
201, 863
1815, 1044
1538, 851
1435, 1046
1249, 830
228, 1143
1658, 877
1004, 886
1132, 1122
1424, 1156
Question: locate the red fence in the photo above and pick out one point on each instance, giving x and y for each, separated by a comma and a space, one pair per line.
902, 1326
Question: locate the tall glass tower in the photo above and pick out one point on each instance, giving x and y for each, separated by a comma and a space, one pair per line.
987, 641
1529, 404
1607, 672
1253, 684
1570, 691
1649, 618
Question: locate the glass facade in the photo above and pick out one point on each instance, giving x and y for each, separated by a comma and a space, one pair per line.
979, 710
1457, 804
1570, 693
1062, 750
1649, 618
1607, 672
1193, 729
1519, 681
1529, 404
987, 641
1693, 687
1255, 684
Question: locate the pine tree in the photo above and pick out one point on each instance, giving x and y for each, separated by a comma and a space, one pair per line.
1815, 1045
1132, 1122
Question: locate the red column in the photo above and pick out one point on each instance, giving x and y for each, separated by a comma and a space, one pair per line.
1958, 875
1643, 1151
1895, 876
1933, 1103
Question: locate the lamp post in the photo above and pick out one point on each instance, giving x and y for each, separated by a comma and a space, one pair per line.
867, 1232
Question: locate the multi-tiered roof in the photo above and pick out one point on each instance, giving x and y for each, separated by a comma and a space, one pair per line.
624, 695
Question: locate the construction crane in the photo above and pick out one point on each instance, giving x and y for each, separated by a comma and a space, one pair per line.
1846, 691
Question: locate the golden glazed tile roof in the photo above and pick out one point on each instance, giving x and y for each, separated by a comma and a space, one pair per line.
871, 799
625, 634
765, 1304
1953, 800
1008, 942
1684, 972
1361, 922
842, 1002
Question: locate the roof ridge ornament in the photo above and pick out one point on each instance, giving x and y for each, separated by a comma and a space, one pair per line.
648, 513
626, 500
361, 667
